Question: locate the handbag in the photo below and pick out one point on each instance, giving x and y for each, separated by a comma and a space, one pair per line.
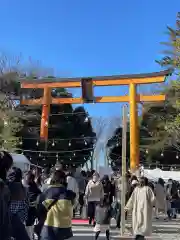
38, 227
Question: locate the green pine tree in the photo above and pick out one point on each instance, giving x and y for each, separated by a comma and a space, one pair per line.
163, 120
10, 124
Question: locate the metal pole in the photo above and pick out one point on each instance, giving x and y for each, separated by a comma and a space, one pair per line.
96, 160
123, 193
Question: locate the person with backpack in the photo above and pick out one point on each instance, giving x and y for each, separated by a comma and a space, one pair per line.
103, 218
55, 210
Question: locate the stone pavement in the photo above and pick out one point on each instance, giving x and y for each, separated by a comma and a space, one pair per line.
162, 230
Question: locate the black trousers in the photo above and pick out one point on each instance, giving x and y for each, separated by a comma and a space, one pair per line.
81, 201
91, 210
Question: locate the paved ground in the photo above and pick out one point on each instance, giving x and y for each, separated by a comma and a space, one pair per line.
161, 230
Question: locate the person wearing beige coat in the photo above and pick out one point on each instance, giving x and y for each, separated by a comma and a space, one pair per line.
94, 194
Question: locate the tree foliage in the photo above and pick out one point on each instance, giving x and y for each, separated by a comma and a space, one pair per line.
71, 137
163, 120
160, 123
114, 146
10, 122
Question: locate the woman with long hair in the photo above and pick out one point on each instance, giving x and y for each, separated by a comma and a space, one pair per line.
10, 224
19, 203
160, 193
6, 162
141, 203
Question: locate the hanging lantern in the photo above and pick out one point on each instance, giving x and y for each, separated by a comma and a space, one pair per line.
86, 119
5, 123
46, 123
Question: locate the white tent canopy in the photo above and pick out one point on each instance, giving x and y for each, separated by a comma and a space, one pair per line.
21, 161
157, 173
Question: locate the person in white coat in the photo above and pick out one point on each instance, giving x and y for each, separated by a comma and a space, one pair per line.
73, 186
160, 194
141, 203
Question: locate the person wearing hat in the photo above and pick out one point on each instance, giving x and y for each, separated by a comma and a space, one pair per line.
141, 204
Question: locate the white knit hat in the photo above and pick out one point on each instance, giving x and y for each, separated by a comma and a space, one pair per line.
134, 182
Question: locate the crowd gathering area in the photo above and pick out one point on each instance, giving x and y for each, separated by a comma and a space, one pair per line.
43, 203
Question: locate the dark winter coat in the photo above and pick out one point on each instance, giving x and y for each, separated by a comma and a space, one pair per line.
5, 220
33, 193
103, 215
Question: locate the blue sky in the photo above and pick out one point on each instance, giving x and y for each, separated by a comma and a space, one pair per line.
88, 37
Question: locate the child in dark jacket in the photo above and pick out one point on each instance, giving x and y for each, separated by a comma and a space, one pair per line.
103, 218
33, 193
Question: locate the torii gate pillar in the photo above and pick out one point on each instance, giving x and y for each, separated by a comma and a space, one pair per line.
134, 128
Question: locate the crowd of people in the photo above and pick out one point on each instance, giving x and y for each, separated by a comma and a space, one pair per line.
42, 202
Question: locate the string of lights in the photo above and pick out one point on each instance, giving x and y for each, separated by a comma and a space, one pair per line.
53, 141
48, 154
147, 152
61, 139
63, 151
71, 139
59, 156
44, 157
61, 114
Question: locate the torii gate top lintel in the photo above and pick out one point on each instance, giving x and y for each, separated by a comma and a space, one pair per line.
114, 80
